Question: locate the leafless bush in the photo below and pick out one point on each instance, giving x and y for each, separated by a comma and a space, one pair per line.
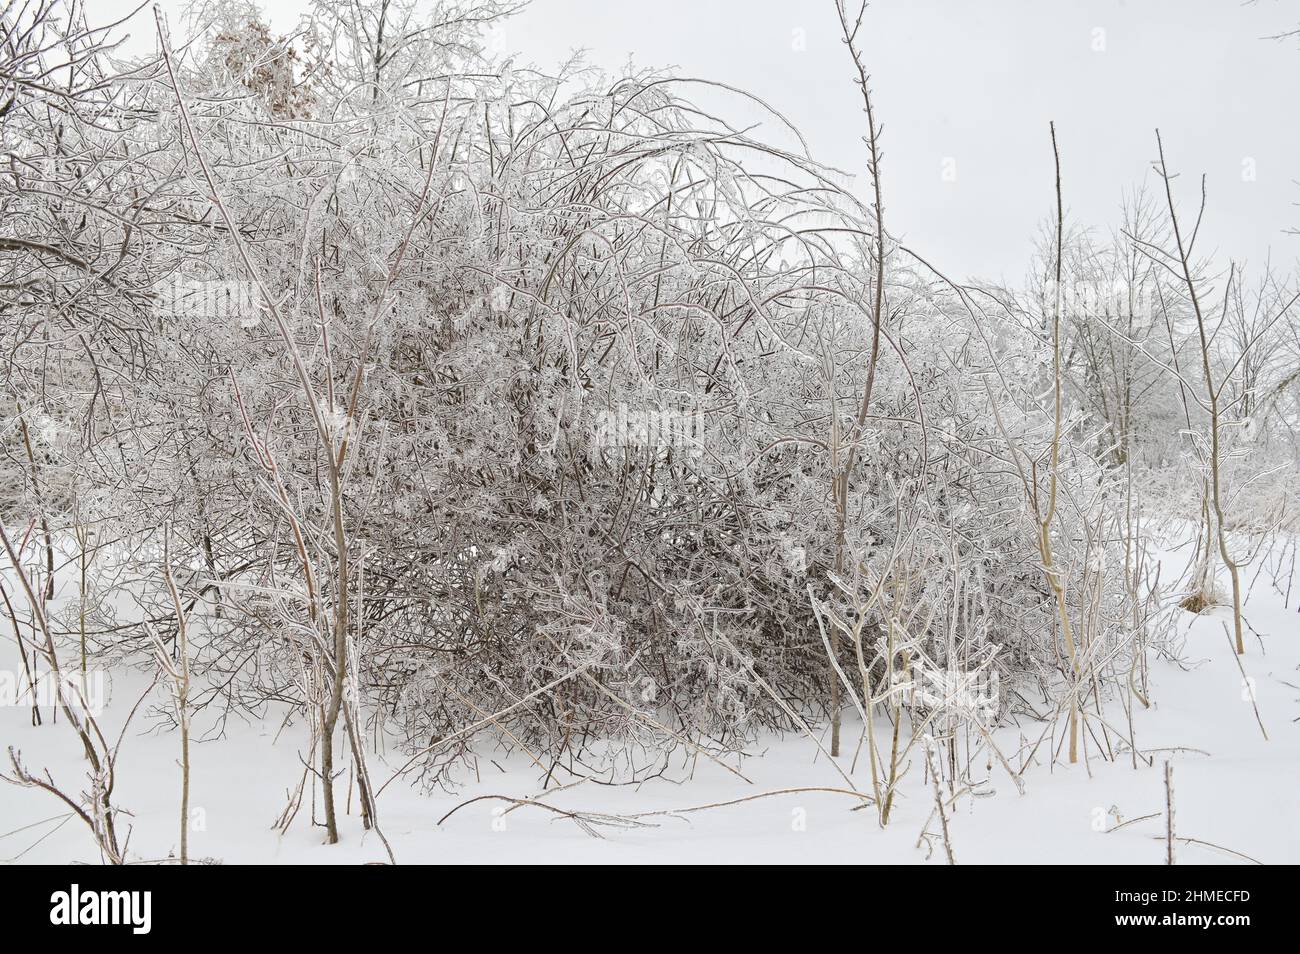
485, 407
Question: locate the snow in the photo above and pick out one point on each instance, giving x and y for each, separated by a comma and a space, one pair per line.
1233, 789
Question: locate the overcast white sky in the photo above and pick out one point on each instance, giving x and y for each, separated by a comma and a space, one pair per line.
976, 83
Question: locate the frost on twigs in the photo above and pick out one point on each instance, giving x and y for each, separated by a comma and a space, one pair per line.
495, 410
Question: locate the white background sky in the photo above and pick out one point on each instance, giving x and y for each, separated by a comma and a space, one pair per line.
977, 83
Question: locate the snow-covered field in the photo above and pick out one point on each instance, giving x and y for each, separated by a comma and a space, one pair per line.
1234, 790
396, 404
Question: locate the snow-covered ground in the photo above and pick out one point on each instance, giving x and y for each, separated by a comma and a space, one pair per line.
1233, 788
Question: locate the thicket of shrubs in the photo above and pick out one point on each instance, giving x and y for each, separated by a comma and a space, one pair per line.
485, 407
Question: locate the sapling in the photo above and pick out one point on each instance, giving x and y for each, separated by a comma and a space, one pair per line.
176, 665
1218, 491
95, 809
843, 470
